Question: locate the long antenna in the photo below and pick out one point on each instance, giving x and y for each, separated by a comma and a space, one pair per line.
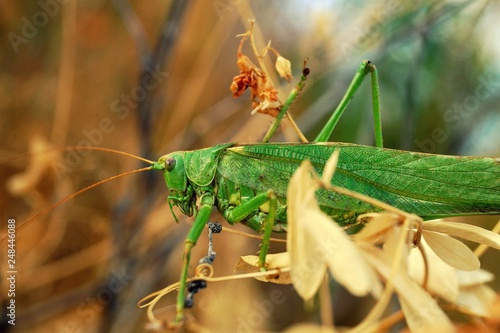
109, 150
55, 204
67, 148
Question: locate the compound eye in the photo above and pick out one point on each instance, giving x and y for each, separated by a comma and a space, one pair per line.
170, 164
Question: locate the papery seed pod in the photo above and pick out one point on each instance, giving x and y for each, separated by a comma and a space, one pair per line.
284, 68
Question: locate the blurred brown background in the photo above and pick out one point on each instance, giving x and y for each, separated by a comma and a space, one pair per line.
72, 74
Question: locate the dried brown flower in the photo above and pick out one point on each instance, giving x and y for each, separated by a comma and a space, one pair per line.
264, 94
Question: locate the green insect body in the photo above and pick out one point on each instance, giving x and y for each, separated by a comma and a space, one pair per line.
248, 182
427, 185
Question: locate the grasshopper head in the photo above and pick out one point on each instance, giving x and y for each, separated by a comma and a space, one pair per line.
174, 172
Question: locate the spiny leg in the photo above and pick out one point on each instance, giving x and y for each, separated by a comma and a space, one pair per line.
244, 210
377, 119
365, 67
266, 238
206, 203
237, 214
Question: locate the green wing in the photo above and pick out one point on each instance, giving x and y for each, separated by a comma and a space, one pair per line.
424, 184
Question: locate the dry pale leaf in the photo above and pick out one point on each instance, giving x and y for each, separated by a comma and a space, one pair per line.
465, 231
376, 229
474, 278
452, 251
477, 300
442, 279
333, 247
421, 311
315, 241
309, 328
250, 264
393, 249
308, 266
300, 183
428, 318
306, 275
330, 167
300, 200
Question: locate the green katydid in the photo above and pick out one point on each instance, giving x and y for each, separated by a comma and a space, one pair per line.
248, 182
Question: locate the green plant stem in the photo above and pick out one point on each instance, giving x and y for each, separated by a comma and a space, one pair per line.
284, 109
